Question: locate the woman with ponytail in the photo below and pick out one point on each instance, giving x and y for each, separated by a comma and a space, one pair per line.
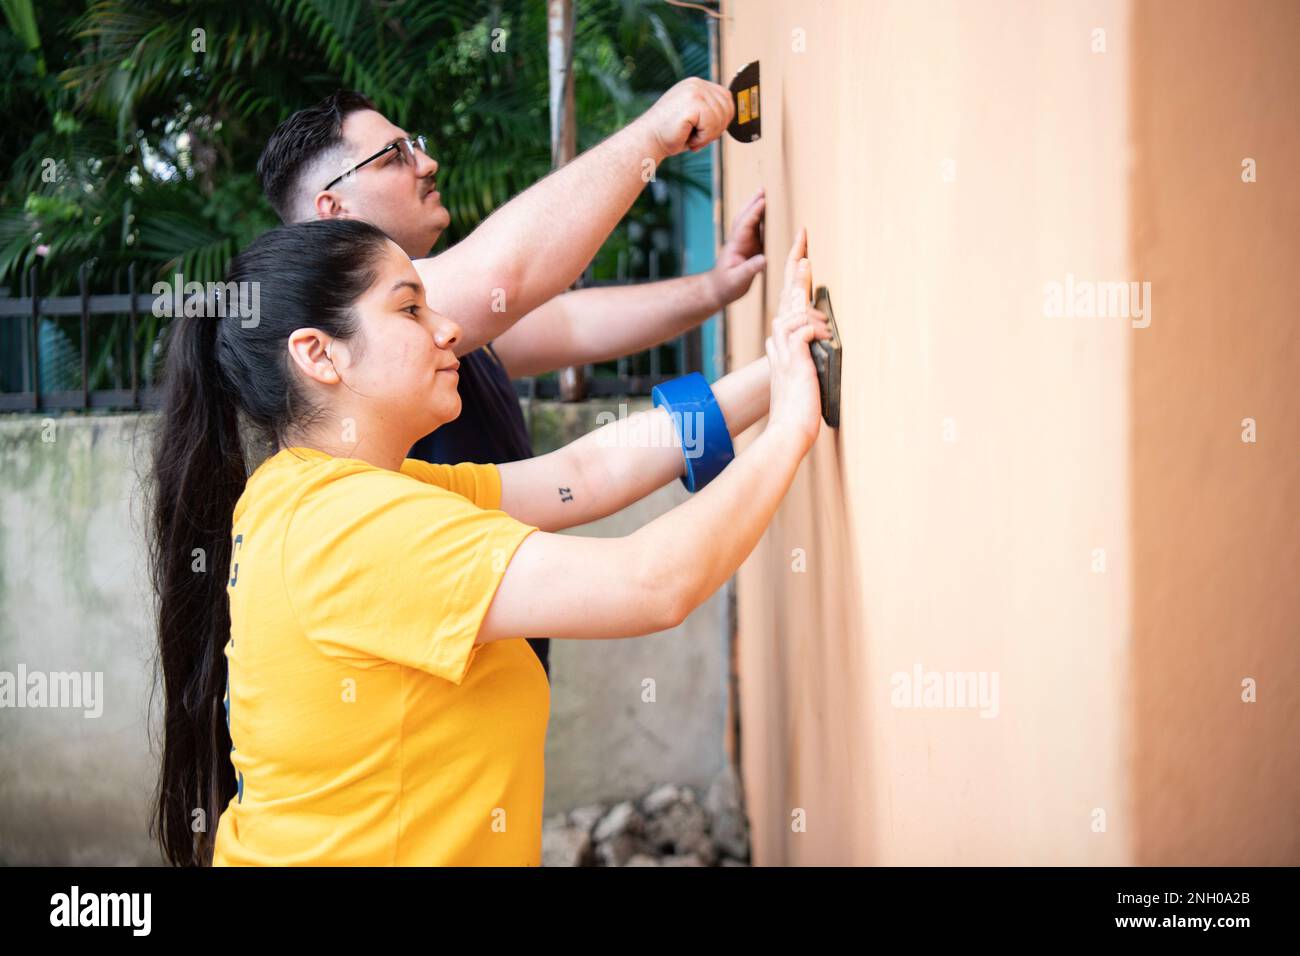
341, 631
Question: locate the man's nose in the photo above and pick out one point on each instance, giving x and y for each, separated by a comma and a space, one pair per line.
425, 165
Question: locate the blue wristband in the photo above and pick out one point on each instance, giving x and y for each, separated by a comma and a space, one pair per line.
700, 425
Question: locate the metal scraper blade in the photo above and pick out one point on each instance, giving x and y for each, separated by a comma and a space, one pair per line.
827, 357
746, 126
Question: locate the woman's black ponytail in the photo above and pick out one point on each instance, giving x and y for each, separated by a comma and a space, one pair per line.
217, 371
199, 474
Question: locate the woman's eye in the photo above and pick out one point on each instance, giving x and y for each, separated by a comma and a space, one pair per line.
413, 309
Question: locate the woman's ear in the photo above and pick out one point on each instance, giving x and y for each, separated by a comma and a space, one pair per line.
314, 353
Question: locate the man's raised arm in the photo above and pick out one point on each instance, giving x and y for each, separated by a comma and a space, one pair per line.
593, 325
536, 245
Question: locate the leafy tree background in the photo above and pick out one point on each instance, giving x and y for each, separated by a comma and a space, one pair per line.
123, 142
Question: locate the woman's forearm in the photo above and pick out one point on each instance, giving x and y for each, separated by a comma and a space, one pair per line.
652, 579
719, 526
629, 458
744, 394
624, 460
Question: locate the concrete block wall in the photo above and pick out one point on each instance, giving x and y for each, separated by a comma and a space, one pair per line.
75, 789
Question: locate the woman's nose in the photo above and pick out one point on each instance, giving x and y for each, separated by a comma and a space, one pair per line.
447, 333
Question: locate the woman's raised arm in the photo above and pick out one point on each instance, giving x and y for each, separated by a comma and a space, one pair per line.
567, 586
624, 460
620, 462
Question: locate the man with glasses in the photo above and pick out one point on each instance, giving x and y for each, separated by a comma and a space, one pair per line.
506, 283
405, 145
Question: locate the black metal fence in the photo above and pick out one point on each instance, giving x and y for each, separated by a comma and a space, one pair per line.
47, 345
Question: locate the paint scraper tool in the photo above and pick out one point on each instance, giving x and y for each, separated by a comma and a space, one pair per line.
747, 125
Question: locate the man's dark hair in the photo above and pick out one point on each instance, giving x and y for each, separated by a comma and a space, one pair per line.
298, 141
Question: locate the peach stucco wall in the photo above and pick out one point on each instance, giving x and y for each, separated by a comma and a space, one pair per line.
948, 161
1062, 502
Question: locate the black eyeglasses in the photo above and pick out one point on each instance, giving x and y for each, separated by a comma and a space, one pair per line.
406, 147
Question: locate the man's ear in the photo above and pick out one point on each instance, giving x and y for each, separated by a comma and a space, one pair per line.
329, 205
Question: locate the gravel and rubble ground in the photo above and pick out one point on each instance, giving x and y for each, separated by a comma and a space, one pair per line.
670, 825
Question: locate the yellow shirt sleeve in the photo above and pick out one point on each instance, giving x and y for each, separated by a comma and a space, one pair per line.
381, 567
481, 484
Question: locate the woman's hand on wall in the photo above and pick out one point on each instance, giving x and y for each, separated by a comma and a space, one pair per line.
796, 398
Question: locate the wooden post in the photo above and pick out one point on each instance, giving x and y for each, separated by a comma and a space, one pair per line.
564, 137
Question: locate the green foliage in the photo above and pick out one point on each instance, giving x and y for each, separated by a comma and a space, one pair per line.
132, 127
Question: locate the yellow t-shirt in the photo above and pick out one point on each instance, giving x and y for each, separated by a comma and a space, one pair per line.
369, 729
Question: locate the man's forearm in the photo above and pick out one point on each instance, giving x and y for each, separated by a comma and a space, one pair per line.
535, 246
556, 227
599, 324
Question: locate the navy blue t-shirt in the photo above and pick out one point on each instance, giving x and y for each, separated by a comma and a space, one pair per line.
490, 430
